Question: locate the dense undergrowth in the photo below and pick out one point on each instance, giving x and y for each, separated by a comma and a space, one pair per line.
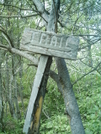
54, 120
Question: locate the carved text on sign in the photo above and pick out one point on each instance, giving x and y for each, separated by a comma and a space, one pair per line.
44, 39
50, 43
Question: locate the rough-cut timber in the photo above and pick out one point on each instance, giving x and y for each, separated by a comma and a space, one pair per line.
40, 74
49, 43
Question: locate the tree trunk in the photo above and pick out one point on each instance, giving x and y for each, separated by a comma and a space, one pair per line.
63, 75
1, 101
8, 92
15, 87
72, 109
20, 87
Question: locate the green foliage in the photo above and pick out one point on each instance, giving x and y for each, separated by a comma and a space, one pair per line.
27, 79
53, 100
87, 93
89, 101
12, 126
80, 17
56, 124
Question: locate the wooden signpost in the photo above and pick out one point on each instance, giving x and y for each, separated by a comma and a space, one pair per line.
45, 43
35, 89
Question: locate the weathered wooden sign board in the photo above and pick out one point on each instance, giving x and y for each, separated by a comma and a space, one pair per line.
49, 43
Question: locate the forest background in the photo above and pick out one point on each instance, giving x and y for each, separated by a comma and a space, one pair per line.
81, 18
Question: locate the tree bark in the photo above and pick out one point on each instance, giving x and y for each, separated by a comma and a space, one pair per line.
72, 109
8, 92
35, 124
14, 60
1, 101
63, 74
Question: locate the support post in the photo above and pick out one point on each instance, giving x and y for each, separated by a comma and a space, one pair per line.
39, 83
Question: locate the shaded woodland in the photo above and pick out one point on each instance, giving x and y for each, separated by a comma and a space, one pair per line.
81, 18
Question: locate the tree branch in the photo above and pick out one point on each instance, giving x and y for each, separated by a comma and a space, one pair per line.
95, 68
91, 43
15, 7
40, 7
18, 16
6, 37
20, 53
54, 76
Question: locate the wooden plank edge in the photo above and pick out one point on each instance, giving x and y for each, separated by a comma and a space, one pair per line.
72, 55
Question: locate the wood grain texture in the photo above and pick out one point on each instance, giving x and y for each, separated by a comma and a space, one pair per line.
49, 43
36, 85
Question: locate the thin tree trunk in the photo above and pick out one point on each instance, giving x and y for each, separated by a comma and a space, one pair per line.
1, 101
72, 109
89, 55
65, 83
20, 88
8, 92
15, 88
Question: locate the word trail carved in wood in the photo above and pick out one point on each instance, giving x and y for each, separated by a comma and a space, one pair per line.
49, 43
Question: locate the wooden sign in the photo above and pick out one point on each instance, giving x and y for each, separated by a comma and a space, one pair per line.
45, 43
49, 43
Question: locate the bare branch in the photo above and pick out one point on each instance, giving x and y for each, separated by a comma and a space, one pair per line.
6, 37
15, 7
54, 76
18, 16
55, 8
4, 47
95, 68
40, 7
20, 53
88, 45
